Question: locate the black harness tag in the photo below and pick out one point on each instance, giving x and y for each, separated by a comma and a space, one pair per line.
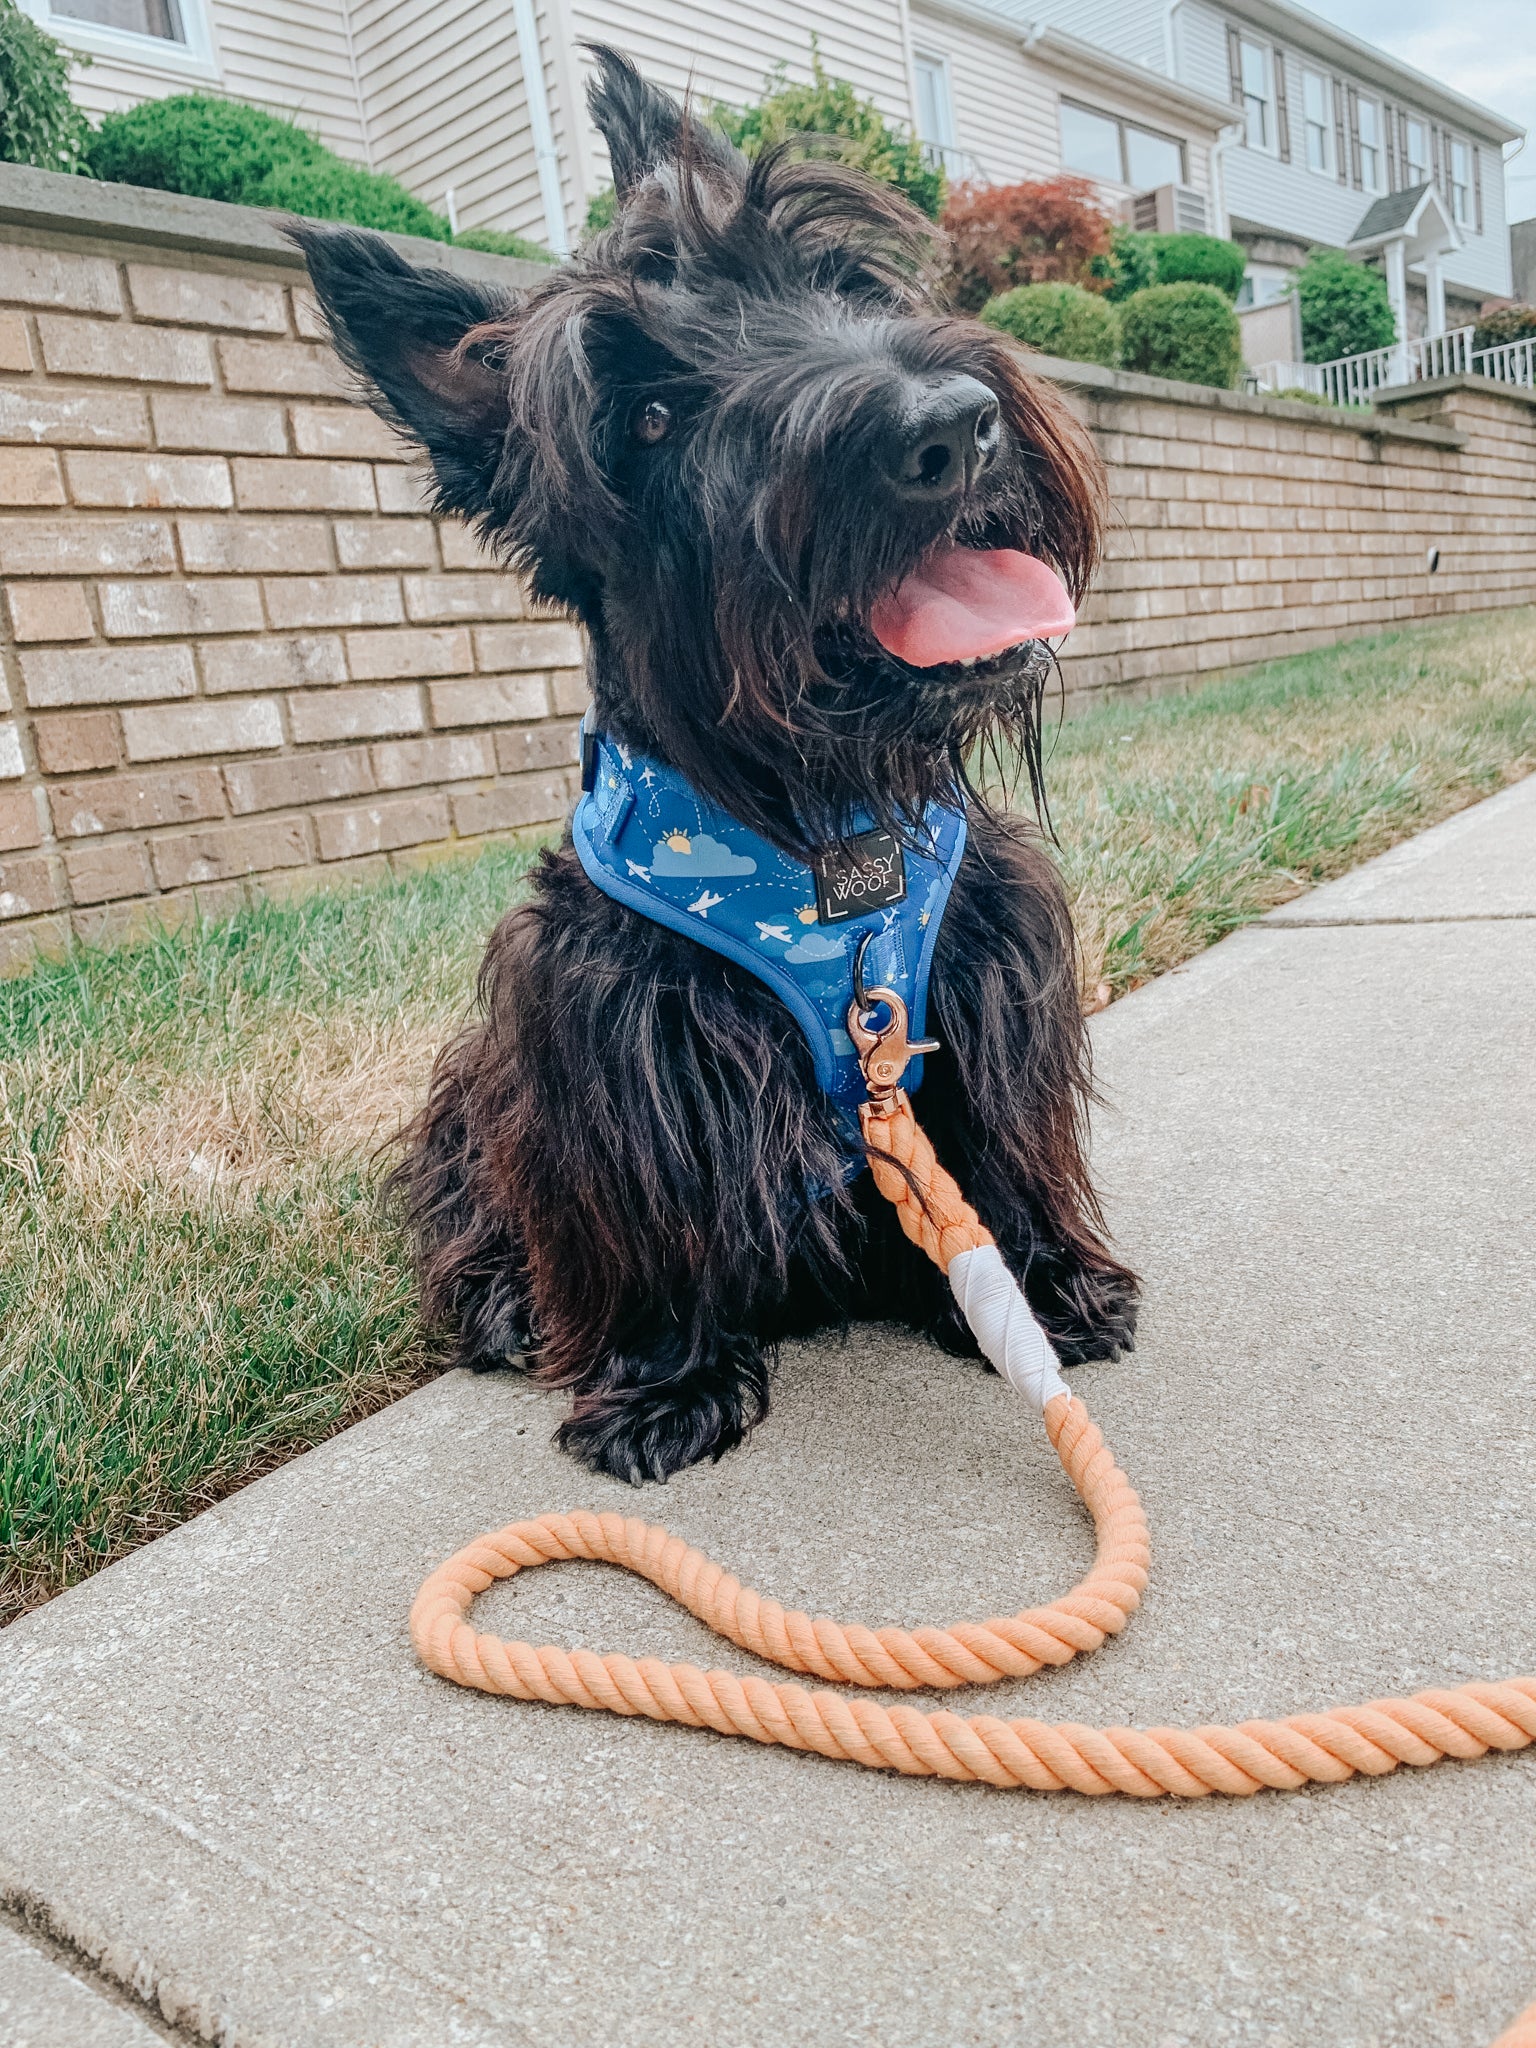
866, 876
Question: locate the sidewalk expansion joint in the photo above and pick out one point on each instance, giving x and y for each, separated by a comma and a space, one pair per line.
31, 1919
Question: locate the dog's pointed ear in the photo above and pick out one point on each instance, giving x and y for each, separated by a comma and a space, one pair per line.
402, 332
640, 123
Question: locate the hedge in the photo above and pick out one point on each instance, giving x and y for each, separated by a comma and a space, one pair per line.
39, 122
1187, 331
1060, 320
1344, 307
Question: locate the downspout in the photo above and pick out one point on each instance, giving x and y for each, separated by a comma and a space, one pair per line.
1170, 47
1233, 132
525, 29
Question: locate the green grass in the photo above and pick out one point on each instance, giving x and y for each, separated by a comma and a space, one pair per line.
196, 1279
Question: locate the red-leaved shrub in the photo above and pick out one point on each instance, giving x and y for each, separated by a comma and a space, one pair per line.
1045, 232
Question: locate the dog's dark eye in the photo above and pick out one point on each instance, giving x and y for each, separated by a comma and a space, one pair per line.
652, 422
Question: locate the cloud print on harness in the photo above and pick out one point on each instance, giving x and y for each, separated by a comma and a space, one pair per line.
705, 856
815, 946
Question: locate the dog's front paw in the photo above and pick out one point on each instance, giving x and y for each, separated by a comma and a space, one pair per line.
641, 1428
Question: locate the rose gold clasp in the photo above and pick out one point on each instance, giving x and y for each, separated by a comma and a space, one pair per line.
883, 1050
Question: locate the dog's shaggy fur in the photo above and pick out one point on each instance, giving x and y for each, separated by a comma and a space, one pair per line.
626, 1178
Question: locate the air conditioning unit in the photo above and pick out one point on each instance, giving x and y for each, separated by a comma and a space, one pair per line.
1170, 210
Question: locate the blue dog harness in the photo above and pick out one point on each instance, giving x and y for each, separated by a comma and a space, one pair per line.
648, 839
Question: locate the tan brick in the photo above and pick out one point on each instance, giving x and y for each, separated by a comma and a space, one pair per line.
381, 827
286, 369
133, 803
307, 316
20, 825
142, 611
355, 714
384, 543
222, 851
15, 347
272, 663
534, 801
28, 885
200, 298
48, 277
569, 692
85, 419
298, 779
347, 430
111, 349
30, 476
137, 482
64, 547
11, 763
430, 598
49, 611
463, 549
334, 601
99, 873
537, 746
174, 732
59, 676
489, 700
266, 484
253, 546
84, 739
375, 657
531, 646
403, 489
185, 419
457, 757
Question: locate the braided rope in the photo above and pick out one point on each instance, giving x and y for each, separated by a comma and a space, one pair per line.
1466, 1721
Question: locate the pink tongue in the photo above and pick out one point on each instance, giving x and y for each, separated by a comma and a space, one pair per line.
964, 604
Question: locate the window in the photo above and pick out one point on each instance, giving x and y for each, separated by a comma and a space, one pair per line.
1117, 152
160, 18
1258, 114
1461, 183
935, 110
169, 35
1318, 117
1370, 145
1415, 154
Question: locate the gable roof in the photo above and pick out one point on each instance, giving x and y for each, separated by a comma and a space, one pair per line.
1388, 215
1411, 215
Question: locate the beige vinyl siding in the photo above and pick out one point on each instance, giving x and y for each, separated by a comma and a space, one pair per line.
443, 85
725, 54
289, 55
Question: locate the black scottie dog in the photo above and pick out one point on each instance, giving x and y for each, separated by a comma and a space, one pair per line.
804, 518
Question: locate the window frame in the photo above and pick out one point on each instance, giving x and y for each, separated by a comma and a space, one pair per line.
195, 57
1424, 169
936, 64
1123, 125
1462, 213
1265, 102
1377, 149
1327, 168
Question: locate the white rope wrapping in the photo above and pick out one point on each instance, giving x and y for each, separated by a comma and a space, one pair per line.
1004, 1324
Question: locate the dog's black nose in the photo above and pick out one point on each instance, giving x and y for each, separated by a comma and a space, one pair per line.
944, 438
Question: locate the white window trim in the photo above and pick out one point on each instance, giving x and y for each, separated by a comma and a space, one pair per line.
1328, 168
1364, 100
1426, 170
940, 62
1271, 117
196, 58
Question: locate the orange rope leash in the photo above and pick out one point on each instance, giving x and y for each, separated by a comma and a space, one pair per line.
1465, 1721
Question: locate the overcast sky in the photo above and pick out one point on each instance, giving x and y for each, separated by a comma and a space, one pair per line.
1486, 50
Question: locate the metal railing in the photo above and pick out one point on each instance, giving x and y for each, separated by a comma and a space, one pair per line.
1355, 380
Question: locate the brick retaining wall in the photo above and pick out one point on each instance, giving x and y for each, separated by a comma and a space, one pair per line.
236, 652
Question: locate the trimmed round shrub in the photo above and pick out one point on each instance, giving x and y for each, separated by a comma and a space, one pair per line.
1187, 331
1131, 264
1509, 323
1199, 259
1059, 320
1344, 307
497, 242
208, 148
39, 122
333, 190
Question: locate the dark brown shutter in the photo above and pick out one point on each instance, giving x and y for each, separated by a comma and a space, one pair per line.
1340, 139
1354, 140
1389, 125
1282, 108
1477, 186
1235, 64
1436, 158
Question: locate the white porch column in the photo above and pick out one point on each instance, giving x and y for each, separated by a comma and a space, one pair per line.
1397, 294
1434, 285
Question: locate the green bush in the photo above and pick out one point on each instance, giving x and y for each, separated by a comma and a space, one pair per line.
39, 122
1131, 264
333, 190
602, 210
1188, 331
1344, 307
1060, 320
830, 106
1199, 259
1510, 323
497, 242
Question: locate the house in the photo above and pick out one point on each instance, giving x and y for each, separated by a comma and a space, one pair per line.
1248, 116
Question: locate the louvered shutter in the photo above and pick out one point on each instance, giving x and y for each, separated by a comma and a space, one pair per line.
1235, 64
1436, 159
1389, 124
1477, 186
1282, 109
1341, 140
1354, 140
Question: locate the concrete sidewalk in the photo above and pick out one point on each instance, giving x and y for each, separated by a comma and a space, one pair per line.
223, 1776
